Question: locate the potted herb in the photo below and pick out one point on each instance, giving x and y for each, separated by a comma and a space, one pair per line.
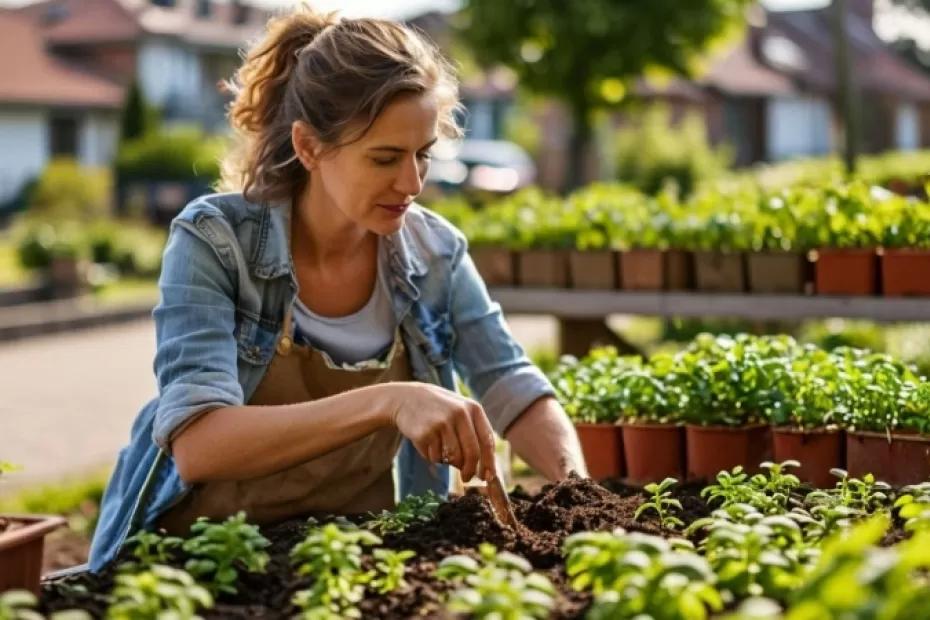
721, 378
586, 392
649, 402
890, 412
806, 414
838, 221
776, 264
905, 259
544, 239
592, 263
22, 539
719, 238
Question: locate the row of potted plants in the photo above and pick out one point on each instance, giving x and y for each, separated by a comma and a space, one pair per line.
842, 239
726, 401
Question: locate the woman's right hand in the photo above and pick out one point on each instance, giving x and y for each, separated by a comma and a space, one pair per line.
443, 426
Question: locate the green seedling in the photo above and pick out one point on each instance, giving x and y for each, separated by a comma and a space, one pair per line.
914, 507
662, 503
332, 555
502, 586
635, 575
410, 510
220, 550
160, 593
866, 495
150, 548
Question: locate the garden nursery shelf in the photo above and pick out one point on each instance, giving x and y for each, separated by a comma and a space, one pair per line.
594, 304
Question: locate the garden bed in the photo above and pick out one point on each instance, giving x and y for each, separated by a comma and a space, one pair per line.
458, 527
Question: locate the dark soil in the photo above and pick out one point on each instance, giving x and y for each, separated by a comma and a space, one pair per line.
460, 525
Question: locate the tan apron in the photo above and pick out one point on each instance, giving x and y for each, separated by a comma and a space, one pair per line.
354, 479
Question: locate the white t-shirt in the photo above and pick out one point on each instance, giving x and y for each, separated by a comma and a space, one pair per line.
360, 337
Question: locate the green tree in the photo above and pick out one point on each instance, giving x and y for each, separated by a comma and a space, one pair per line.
586, 53
138, 118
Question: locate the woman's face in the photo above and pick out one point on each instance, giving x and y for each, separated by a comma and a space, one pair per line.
373, 180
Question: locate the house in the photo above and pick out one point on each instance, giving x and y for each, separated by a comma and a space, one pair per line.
65, 65
774, 94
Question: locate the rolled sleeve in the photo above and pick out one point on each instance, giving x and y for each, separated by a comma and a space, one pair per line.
512, 394
486, 356
196, 358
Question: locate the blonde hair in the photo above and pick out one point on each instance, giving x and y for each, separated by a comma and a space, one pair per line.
328, 72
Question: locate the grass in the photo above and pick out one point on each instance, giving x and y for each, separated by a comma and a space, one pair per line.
78, 499
126, 291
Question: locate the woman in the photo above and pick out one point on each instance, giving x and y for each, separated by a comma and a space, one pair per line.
310, 323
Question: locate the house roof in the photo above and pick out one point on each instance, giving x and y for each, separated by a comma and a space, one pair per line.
29, 75
79, 22
737, 72
876, 68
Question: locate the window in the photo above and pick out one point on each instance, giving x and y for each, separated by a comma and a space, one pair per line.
63, 136
204, 8
240, 12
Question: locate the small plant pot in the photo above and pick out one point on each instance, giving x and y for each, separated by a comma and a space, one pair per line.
846, 272
602, 445
720, 272
905, 272
642, 270
496, 265
543, 268
21, 550
776, 272
818, 451
679, 270
905, 459
712, 449
593, 269
653, 452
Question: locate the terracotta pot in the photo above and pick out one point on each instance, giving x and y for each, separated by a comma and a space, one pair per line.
593, 269
653, 452
494, 264
720, 272
543, 268
903, 460
642, 270
712, 449
602, 445
905, 272
818, 451
21, 551
776, 272
679, 270
846, 272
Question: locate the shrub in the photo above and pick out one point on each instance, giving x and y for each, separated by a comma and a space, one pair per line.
68, 191
178, 154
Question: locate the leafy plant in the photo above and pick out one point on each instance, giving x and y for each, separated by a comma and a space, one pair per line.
662, 503
410, 510
501, 586
220, 550
754, 554
635, 575
865, 495
332, 555
914, 507
158, 593
150, 548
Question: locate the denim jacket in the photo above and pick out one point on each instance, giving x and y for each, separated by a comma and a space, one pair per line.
226, 280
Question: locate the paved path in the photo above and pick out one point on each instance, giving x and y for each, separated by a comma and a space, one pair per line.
67, 400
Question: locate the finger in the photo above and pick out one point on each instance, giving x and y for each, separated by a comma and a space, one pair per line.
450, 449
485, 442
434, 450
468, 440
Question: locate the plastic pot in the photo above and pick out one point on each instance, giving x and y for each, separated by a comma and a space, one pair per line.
712, 449
776, 272
653, 452
846, 272
642, 270
543, 268
495, 265
593, 269
679, 270
899, 460
818, 451
904, 272
602, 445
720, 272
21, 550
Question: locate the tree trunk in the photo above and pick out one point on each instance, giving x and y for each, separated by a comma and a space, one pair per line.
846, 88
578, 146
